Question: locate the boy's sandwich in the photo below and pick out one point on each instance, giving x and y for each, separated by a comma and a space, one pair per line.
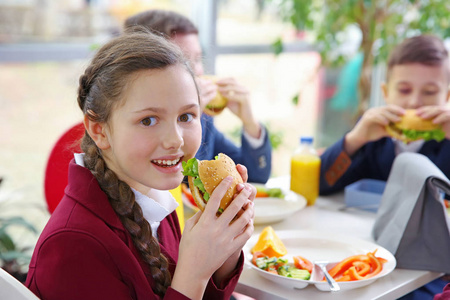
205, 175
218, 103
411, 127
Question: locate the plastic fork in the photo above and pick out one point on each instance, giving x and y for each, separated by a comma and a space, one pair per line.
334, 286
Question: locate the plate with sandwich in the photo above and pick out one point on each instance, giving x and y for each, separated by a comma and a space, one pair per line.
275, 204
411, 128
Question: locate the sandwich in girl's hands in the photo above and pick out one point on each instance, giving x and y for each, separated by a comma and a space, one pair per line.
205, 175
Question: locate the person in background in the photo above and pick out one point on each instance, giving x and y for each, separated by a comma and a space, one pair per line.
115, 233
255, 151
418, 77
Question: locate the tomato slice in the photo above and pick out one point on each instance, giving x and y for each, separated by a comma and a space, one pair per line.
303, 263
188, 194
272, 270
261, 194
257, 255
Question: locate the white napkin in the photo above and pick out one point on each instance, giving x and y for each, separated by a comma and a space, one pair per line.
412, 221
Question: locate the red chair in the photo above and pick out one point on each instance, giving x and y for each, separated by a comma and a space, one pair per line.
56, 172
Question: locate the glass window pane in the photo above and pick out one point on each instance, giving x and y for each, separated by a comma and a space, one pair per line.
273, 82
244, 22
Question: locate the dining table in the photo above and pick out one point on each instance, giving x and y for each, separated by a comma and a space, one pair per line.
330, 214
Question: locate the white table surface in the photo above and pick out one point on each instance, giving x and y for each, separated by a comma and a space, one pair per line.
327, 215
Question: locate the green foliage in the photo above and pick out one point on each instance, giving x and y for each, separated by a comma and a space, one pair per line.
94, 46
275, 137
295, 99
277, 46
382, 24
296, 12
12, 258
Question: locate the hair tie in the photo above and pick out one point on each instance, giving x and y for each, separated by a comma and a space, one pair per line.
92, 114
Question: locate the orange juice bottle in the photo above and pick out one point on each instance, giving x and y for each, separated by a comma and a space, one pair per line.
305, 170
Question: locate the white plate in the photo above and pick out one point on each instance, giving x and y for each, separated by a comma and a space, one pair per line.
268, 209
271, 210
321, 246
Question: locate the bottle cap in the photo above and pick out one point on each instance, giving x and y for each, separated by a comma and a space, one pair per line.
306, 139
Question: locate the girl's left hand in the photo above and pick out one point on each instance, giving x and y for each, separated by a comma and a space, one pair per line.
440, 114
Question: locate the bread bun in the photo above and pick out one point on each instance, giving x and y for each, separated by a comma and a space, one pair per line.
410, 120
395, 132
216, 106
211, 173
198, 197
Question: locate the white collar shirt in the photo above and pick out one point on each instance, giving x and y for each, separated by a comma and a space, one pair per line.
156, 205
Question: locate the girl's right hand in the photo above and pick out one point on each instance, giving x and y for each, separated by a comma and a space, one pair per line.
208, 241
372, 126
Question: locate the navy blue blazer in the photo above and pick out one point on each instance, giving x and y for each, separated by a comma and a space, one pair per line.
374, 160
257, 161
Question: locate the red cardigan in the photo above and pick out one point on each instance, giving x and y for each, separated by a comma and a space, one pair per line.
84, 252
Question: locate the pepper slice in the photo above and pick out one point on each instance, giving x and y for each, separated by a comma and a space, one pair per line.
375, 264
363, 268
358, 267
303, 263
345, 264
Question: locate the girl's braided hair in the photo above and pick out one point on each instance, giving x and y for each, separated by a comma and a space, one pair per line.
100, 90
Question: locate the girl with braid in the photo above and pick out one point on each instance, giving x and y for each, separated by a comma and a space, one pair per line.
115, 233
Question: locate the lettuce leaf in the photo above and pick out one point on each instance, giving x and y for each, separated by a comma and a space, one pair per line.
436, 134
190, 168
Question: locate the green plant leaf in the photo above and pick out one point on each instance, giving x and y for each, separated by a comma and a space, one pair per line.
6, 243
17, 221
277, 46
8, 249
276, 139
382, 25
295, 99
14, 255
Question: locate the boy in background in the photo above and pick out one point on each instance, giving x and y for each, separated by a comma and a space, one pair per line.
418, 77
255, 152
